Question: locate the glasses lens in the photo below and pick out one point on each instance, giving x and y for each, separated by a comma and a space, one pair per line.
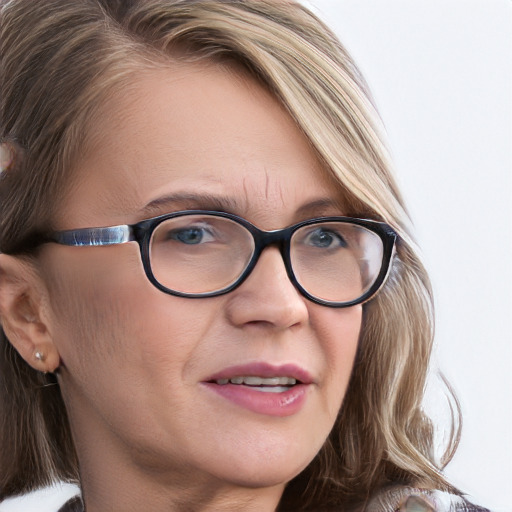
196, 254
336, 261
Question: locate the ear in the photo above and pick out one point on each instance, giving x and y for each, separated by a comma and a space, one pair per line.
24, 313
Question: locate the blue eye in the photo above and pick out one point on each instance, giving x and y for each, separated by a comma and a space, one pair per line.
189, 236
325, 239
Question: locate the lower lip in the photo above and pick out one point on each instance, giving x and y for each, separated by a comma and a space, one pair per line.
286, 403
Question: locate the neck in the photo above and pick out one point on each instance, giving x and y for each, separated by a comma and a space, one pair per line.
195, 498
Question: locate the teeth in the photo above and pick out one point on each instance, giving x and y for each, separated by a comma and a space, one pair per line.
272, 389
277, 382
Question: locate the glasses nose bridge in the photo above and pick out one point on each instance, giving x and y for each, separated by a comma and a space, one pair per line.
278, 237
263, 239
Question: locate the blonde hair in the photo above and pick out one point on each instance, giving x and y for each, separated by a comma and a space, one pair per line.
61, 58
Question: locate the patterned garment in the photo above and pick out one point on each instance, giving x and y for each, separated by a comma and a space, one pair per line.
408, 499
73, 505
395, 499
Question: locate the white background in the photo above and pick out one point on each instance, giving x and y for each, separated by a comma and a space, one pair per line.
440, 71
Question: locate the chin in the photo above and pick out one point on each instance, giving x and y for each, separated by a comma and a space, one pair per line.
265, 470
261, 478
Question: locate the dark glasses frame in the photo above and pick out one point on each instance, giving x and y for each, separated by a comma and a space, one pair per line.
142, 232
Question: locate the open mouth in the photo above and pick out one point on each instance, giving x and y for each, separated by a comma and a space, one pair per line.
272, 390
263, 384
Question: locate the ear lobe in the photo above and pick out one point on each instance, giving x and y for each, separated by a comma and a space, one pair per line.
22, 299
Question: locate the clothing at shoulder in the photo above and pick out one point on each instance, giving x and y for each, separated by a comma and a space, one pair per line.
73, 505
394, 499
408, 499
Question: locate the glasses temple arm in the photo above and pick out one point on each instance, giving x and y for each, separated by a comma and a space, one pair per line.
112, 235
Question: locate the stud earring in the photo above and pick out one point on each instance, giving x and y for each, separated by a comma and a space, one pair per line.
40, 356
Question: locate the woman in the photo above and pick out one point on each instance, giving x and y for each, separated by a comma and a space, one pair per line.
209, 292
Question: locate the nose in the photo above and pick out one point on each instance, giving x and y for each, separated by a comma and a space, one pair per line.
267, 297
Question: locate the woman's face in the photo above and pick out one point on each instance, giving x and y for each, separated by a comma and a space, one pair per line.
140, 368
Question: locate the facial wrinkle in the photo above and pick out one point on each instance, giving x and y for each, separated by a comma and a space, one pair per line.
267, 184
273, 193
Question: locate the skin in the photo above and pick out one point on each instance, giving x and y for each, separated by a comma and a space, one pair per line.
132, 359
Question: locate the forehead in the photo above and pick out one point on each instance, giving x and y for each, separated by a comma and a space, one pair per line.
192, 128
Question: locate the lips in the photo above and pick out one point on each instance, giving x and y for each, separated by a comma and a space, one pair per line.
263, 388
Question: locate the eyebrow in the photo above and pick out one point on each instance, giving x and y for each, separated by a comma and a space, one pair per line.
195, 201
190, 201
320, 208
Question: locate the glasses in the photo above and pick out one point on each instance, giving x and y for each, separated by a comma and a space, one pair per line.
333, 261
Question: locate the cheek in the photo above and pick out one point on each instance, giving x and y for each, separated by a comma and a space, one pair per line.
338, 331
122, 341
106, 310
92, 291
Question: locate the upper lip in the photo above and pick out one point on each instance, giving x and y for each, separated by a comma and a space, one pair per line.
261, 369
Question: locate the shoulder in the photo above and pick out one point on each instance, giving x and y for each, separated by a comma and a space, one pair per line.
409, 499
